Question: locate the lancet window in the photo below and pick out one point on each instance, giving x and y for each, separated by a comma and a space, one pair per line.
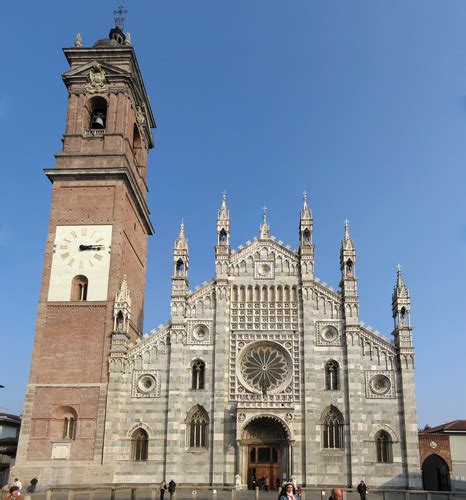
332, 429
139, 445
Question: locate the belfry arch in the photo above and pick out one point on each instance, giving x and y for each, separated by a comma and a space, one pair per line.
264, 451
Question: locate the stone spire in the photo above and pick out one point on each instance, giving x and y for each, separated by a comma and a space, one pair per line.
181, 242
347, 254
306, 247
305, 211
265, 228
122, 308
224, 213
401, 302
222, 248
349, 282
180, 276
223, 223
347, 242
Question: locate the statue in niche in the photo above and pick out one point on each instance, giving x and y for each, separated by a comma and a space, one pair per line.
120, 322
223, 236
402, 316
179, 267
349, 267
306, 237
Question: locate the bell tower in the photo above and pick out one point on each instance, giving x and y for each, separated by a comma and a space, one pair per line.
97, 239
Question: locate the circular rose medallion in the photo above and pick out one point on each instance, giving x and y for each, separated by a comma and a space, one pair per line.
329, 333
380, 384
265, 367
146, 383
200, 332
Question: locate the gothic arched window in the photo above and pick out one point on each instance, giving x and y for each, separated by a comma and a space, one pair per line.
198, 374
197, 421
383, 447
332, 428
332, 376
139, 445
79, 286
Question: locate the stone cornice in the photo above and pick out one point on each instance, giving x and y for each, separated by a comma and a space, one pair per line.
105, 173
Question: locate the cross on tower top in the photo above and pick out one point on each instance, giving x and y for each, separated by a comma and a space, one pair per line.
120, 16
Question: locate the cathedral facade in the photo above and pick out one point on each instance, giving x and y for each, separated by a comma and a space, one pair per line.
264, 372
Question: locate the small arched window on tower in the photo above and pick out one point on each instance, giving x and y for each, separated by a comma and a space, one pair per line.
79, 287
306, 236
198, 374
222, 236
139, 445
349, 267
383, 447
97, 113
197, 421
64, 426
179, 267
332, 382
332, 428
69, 427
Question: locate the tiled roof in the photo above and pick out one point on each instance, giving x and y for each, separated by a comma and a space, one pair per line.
454, 426
9, 416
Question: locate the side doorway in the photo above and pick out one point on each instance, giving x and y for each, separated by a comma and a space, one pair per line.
435, 474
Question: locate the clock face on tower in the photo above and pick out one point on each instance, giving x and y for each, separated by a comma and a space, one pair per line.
82, 251
82, 248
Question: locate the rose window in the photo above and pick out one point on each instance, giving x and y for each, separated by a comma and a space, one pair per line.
380, 384
265, 367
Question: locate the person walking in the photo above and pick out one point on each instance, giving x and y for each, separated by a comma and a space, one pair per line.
18, 484
362, 489
163, 487
32, 485
171, 488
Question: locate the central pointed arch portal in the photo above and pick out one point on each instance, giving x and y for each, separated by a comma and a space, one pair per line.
265, 452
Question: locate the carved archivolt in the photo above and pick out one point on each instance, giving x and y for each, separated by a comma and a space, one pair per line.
266, 416
139, 425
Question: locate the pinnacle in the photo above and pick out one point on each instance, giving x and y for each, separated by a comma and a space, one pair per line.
181, 236
223, 213
265, 228
305, 211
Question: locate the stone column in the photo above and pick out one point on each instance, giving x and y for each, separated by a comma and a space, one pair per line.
239, 451
174, 447
220, 412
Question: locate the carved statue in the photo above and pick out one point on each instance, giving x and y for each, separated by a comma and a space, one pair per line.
78, 43
349, 267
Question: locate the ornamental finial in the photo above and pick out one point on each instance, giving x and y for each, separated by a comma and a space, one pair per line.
120, 16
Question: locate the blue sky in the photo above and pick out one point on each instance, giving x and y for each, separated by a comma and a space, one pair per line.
360, 103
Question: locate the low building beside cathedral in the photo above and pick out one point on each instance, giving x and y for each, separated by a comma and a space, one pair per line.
263, 373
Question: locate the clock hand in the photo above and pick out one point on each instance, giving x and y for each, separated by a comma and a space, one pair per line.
82, 248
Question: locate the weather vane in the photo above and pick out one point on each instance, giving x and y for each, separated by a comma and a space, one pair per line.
120, 16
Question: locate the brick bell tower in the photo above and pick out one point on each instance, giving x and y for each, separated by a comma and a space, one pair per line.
99, 223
